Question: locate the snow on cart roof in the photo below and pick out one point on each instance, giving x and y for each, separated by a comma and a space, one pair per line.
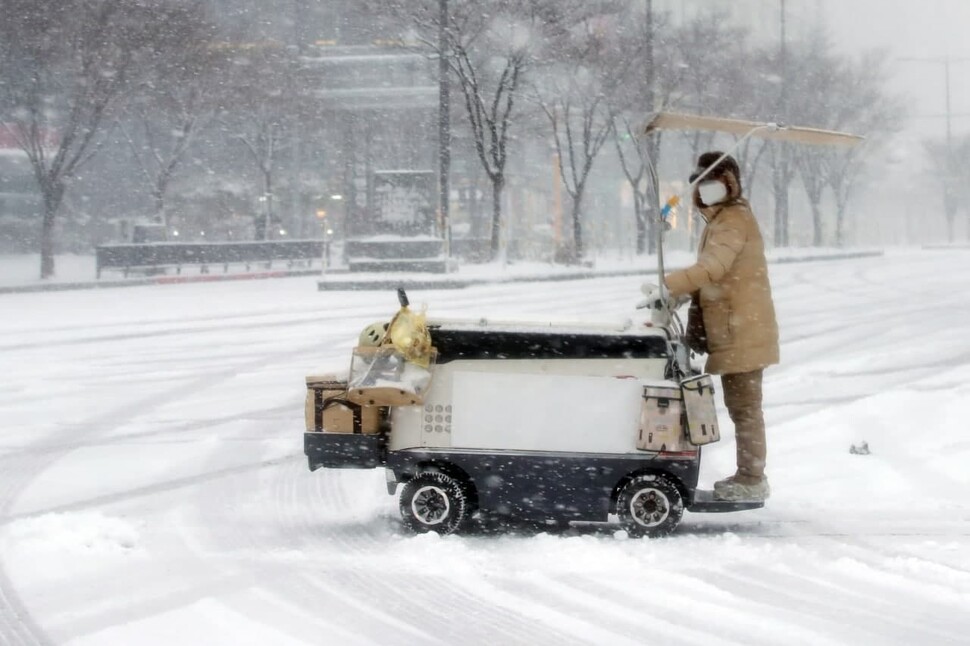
625, 328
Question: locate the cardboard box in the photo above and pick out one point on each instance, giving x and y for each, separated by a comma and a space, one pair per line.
328, 409
661, 420
386, 396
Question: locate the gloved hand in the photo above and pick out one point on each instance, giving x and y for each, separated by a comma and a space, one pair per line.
654, 298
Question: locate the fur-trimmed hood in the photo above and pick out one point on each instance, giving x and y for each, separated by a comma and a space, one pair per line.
727, 171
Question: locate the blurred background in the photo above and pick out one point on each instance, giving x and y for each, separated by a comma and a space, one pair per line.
511, 124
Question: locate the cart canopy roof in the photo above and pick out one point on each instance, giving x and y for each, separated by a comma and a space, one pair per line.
780, 132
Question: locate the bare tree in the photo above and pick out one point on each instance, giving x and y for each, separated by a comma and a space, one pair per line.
636, 163
647, 89
819, 77
490, 116
68, 64
574, 99
856, 100
489, 46
842, 171
948, 164
811, 169
580, 126
261, 86
960, 152
162, 122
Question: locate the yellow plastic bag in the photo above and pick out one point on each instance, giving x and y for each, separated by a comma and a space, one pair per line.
408, 333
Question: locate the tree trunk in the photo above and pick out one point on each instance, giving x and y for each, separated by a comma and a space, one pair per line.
159, 203
781, 206
498, 186
47, 244
268, 182
52, 201
650, 217
817, 231
578, 225
697, 227
158, 197
839, 224
950, 210
651, 199
640, 217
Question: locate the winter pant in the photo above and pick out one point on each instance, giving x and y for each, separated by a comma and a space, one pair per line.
742, 396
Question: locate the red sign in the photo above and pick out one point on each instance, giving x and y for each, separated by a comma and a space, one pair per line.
8, 139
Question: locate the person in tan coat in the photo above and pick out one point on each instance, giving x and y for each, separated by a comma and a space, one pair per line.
732, 315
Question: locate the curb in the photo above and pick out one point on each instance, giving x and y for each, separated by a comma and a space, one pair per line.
452, 283
157, 280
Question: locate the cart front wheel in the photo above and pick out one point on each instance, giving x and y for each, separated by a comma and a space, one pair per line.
434, 502
650, 505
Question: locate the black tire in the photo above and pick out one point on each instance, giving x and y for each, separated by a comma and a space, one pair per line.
434, 502
650, 505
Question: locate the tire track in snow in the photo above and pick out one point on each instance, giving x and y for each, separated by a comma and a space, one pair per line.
124, 438
138, 336
15, 620
236, 538
368, 587
413, 595
516, 627
903, 621
738, 618
571, 596
371, 538
477, 592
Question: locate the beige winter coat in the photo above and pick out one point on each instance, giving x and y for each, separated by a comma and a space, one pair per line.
729, 285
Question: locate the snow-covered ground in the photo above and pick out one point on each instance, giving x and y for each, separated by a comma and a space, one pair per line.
153, 488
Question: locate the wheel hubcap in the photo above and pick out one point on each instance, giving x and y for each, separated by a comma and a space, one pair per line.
649, 507
430, 505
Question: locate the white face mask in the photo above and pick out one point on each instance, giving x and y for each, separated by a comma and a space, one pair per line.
712, 192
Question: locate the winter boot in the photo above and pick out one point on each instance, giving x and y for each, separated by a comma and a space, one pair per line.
735, 490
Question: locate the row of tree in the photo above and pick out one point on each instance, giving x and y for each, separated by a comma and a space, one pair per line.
596, 71
950, 166
579, 76
80, 77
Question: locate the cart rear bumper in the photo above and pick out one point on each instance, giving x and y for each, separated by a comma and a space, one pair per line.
344, 450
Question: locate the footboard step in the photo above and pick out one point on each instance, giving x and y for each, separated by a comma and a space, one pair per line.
705, 503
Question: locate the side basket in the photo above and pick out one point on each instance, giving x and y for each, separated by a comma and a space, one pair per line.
702, 425
661, 419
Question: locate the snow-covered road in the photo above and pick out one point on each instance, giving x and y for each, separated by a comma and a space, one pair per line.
153, 488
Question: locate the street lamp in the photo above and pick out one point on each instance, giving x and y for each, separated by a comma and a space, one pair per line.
946, 61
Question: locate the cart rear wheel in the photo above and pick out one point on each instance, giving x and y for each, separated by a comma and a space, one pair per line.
650, 505
434, 502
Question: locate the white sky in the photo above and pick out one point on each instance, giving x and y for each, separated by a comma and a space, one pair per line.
905, 191
905, 28
913, 29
